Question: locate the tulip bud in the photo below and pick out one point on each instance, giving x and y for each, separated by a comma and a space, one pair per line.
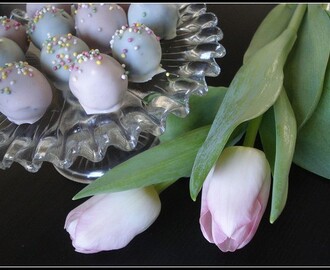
234, 197
110, 221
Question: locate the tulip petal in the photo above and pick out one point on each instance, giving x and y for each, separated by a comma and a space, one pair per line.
252, 227
110, 221
240, 192
205, 221
234, 197
205, 190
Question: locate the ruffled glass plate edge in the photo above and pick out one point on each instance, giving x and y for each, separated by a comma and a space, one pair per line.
66, 137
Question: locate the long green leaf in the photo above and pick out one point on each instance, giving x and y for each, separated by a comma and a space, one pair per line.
313, 142
278, 142
306, 65
162, 163
253, 90
202, 110
270, 28
286, 134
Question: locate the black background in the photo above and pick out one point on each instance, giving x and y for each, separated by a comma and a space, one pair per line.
33, 206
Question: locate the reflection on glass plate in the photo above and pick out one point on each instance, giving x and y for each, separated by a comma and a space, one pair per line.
82, 147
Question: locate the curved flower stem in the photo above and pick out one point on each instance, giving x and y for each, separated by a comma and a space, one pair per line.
326, 6
252, 131
297, 17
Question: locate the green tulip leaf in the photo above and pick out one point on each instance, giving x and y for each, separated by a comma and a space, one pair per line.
278, 133
313, 142
286, 135
202, 110
306, 64
162, 163
253, 90
326, 7
270, 28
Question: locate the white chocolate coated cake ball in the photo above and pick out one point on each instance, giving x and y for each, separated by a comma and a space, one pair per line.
99, 82
58, 54
47, 22
138, 48
10, 52
15, 31
161, 18
32, 8
25, 93
97, 23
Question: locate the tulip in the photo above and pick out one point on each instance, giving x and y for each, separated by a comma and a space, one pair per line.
110, 221
234, 197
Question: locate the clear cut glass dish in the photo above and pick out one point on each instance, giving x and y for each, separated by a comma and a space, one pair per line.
83, 147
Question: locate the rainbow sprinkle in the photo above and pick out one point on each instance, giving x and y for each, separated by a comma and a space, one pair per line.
65, 42
9, 23
92, 55
39, 15
22, 68
137, 28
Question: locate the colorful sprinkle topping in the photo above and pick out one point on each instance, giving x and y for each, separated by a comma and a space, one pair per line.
22, 68
66, 44
93, 7
9, 24
136, 28
39, 15
92, 55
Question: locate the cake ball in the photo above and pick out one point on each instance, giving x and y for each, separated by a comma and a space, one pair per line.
15, 31
138, 48
97, 23
10, 51
25, 93
99, 82
57, 57
161, 18
32, 8
47, 22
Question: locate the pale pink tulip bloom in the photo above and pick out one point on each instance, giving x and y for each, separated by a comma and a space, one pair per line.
110, 221
234, 197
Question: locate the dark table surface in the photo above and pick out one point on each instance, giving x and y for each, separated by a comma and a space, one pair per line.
34, 206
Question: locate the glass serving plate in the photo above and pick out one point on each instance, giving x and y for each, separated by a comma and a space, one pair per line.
83, 147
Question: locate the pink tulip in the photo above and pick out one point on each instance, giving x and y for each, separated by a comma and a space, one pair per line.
234, 197
110, 221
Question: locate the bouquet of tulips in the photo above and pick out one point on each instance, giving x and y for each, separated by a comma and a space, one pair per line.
281, 93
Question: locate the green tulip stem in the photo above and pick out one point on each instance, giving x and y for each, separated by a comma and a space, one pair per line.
326, 6
252, 131
297, 17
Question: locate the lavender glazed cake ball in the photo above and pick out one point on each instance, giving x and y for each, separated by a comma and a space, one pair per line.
25, 93
97, 23
161, 18
99, 82
57, 57
15, 31
32, 8
10, 51
47, 22
138, 48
